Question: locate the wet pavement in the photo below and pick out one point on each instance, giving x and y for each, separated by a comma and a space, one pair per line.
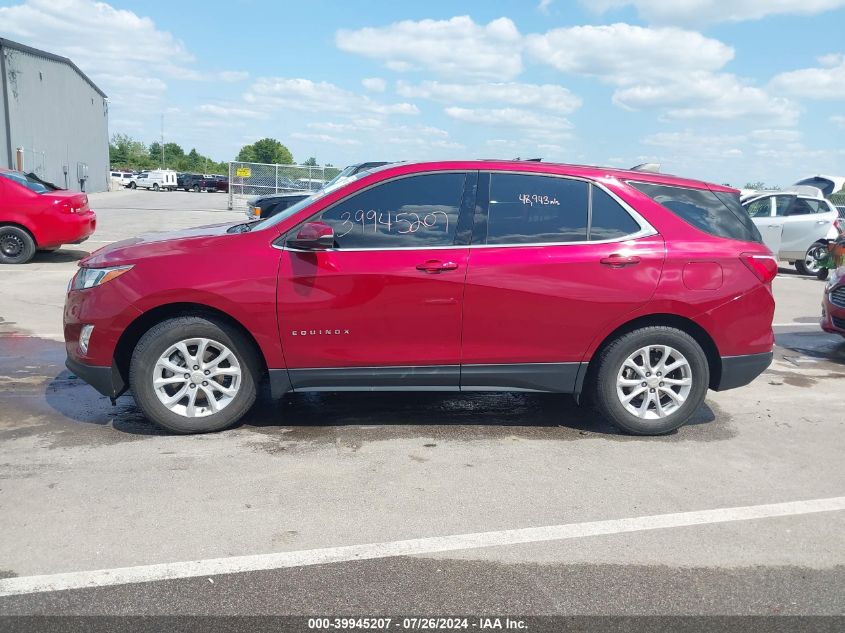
85, 485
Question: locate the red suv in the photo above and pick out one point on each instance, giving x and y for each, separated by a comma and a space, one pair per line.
640, 290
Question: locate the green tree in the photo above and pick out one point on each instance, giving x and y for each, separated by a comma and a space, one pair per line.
127, 153
311, 161
267, 150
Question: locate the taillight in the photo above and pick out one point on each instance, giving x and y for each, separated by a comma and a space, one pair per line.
765, 267
839, 223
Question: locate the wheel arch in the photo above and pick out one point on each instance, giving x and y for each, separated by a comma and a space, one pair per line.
702, 337
135, 330
23, 227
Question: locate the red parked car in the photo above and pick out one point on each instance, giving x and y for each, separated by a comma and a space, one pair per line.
833, 303
640, 290
35, 217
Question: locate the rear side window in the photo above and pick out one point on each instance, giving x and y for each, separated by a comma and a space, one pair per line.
609, 220
716, 213
528, 209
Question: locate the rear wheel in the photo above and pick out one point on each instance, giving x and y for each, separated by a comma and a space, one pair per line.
650, 381
155, 186
195, 188
194, 374
811, 264
16, 245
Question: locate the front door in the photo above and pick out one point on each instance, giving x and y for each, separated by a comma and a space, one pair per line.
763, 214
383, 308
546, 279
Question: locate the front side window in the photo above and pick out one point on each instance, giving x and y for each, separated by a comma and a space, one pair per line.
760, 208
412, 212
718, 214
534, 209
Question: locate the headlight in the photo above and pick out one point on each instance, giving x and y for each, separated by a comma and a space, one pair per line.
832, 280
90, 277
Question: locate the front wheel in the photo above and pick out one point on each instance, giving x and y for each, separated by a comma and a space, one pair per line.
132, 185
194, 375
155, 186
811, 264
650, 381
16, 245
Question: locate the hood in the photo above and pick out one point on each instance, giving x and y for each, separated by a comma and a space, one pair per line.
156, 244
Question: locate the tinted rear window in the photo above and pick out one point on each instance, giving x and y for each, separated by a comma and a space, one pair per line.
719, 214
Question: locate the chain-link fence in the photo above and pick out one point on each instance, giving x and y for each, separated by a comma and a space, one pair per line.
250, 180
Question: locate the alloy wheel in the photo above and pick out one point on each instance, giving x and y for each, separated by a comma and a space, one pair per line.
197, 377
654, 382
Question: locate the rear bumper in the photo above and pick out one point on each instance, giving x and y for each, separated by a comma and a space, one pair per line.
67, 228
738, 371
106, 380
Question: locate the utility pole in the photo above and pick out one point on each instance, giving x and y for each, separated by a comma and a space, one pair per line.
162, 140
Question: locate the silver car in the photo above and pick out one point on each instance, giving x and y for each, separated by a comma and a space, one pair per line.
795, 226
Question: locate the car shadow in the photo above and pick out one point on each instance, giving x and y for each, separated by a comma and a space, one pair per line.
316, 416
62, 255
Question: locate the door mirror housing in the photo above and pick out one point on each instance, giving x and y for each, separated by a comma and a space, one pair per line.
313, 236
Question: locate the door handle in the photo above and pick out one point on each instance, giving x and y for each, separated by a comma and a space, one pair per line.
774, 226
436, 266
619, 261
821, 221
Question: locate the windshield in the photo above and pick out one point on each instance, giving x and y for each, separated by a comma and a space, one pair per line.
25, 181
348, 171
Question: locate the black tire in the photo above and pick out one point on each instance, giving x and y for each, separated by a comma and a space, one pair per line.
132, 185
614, 355
195, 188
823, 274
817, 251
155, 343
16, 245
155, 186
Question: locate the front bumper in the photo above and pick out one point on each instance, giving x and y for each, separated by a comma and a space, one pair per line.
106, 380
738, 371
833, 317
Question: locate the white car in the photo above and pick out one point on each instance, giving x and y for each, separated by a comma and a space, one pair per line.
157, 180
796, 225
121, 178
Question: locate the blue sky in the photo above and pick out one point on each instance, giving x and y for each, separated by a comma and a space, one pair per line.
732, 92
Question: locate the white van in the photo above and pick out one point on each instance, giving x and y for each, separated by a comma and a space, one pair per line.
157, 179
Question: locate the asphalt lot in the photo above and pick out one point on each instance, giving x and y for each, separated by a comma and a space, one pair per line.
86, 486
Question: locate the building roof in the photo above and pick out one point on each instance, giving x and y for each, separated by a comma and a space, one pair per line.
4, 43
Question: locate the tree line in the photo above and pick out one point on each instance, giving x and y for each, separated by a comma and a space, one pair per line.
128, 153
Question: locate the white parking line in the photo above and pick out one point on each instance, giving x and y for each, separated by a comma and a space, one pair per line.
795, 325
412, 547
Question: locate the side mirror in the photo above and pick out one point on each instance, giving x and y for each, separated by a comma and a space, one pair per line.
313, 236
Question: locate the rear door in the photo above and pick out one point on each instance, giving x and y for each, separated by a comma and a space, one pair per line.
553, 260
805, 221
383, 308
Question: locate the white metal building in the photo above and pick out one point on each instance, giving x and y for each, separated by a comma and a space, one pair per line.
53, 119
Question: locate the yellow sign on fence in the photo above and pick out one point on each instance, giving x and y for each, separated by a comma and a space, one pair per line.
243, 172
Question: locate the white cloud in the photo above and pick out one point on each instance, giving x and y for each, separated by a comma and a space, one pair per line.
712, 11
775, 136
838, 120
544, 5
528, 122
457, 47
824, 82
624, 54
699, 145
374, 84
230, 112
547, 96
685, 84
317, 96
325, 138
709, 96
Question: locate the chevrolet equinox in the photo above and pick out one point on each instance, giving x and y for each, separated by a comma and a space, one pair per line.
637, 291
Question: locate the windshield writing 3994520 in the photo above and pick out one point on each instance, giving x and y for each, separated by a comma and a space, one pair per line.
389, 222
